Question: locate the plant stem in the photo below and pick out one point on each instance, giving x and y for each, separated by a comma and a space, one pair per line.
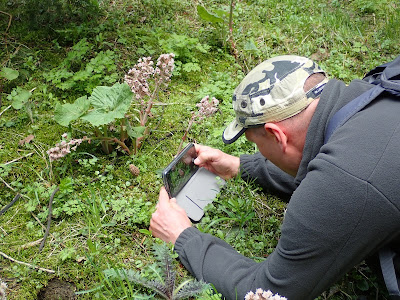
149, 105
123, 133
106, 139
122, 144
46, 234
233, 46
186, 133
112, 139
105, 144
144, 117
9, 19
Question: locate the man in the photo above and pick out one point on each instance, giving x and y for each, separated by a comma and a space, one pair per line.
344, 204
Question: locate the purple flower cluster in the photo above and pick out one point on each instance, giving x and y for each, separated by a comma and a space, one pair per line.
137, 77
260, 294
164, 68
64, 147
206, 107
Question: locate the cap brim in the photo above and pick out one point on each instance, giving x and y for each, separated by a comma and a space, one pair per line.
232, 132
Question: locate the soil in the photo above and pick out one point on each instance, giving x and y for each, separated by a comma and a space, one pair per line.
57, 289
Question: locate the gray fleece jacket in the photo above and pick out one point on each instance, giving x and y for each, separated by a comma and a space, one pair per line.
344, 205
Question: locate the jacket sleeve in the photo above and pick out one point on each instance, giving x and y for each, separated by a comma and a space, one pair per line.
272, 179
326, 231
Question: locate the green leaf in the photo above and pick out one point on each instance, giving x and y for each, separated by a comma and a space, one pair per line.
19, 97
82, 75
9, 73
250, 46
191, 67
363, 285
66, 113
206, 16
109, 103
135, 132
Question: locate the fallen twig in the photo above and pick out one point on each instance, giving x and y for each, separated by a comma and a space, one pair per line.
48, 219
10, 204
5, 109
5, 232
6, 184
26, 264
18, 158
9, 21
31, 244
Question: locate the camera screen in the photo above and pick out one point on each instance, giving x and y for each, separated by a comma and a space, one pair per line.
181, 171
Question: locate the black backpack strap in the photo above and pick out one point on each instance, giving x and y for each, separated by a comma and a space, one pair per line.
392, 72
385, 77
386, 258
390, 78
350, 109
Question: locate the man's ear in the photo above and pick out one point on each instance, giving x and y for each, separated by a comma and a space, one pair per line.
278, 134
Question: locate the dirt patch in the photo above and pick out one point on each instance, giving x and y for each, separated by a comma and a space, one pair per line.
57, 289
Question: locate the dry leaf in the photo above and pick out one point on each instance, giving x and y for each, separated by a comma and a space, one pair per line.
26, 140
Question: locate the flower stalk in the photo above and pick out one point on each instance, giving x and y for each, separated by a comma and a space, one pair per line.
138, 79
207, 108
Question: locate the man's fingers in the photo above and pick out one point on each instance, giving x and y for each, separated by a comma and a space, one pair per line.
176, 206
163, 197
205, 157
163, 192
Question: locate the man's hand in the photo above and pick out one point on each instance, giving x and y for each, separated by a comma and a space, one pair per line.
224, 165
169, 220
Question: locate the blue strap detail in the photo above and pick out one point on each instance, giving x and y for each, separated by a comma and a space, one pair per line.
386, 258
350, 109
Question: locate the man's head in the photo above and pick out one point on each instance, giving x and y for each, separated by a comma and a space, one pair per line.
272, 92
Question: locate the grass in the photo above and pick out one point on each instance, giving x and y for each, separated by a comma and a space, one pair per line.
101, 212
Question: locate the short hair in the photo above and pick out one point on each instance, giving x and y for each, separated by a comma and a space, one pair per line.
312, 81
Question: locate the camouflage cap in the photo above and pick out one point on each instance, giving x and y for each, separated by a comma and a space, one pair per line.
272, 92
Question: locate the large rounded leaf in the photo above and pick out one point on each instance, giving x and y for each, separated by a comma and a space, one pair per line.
8, 73
109, 103
66, 113
19, 97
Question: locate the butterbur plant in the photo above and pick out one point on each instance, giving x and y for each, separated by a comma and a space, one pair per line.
165, 286
260, 294
138, 80
206, 108
108, 108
